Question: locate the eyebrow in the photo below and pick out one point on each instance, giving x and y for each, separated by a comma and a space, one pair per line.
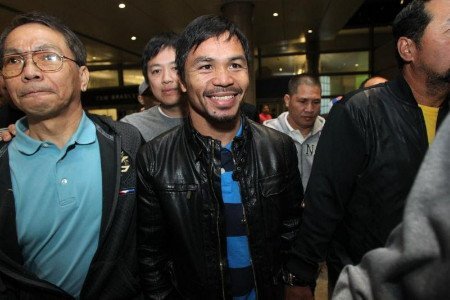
201, 59
160, 65
43, 47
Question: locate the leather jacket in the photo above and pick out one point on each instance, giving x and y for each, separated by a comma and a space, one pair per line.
367, 158
181, 231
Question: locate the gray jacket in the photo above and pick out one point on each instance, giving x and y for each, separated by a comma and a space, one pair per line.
306, 147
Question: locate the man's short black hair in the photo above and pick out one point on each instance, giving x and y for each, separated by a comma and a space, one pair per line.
297, 80
410, 22
73, 42
154, 46
201, 29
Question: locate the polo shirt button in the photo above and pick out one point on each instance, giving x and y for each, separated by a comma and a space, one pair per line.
64, 181
45, 145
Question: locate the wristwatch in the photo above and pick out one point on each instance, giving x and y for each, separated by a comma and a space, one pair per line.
291, 280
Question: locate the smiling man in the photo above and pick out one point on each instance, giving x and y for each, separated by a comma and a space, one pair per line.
67, 181
218, 194
302, 121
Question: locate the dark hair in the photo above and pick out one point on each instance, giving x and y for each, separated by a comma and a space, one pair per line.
410, 22
297, 80
201, 29
154, 46
72, 40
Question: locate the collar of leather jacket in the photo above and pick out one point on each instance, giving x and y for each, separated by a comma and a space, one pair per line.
205, 145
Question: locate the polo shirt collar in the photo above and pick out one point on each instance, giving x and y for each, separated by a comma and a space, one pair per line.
85, 134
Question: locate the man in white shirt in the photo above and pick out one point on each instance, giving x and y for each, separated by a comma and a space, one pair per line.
302, 121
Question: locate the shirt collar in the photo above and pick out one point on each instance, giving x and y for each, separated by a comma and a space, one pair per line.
85, 134
238, 134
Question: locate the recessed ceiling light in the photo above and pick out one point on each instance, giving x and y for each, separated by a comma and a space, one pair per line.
94, 57
275, 14
122, 5
356, 65
133, 38
401, 2
280, 69
310, 31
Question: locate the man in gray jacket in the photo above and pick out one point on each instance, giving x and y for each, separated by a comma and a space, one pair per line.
302, 121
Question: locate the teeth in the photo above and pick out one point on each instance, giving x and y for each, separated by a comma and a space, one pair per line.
222, 98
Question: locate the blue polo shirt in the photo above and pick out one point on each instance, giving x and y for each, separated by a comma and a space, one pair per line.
238, 253
58, 200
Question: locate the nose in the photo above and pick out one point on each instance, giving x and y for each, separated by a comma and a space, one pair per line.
30, 70
309, 106
222, 77
168, 76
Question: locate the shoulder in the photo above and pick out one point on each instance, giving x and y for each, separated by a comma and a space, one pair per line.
142, 115
277, 123
167, 137
109, 128
265, 135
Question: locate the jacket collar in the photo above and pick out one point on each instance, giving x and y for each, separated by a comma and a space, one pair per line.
201, 145
403, 91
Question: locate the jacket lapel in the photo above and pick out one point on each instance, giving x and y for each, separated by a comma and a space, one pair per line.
110, 171
8, 232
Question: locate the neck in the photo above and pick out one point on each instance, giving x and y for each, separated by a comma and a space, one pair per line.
174, 111
221, 131
426, 91
56, 130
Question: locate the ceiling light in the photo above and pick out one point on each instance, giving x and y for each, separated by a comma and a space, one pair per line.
122, 5
310, 31
275, 14
356, 65
94, 57
133, 38
401, 2
280, 69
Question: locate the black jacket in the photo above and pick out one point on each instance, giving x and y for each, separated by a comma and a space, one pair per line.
113, 271
367, 158
181, 230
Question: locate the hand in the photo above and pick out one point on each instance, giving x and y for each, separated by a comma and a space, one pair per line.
7, 135
298, 293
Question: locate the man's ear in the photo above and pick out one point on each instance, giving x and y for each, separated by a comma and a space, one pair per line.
287, 99
84, 78
183, 86
406, 48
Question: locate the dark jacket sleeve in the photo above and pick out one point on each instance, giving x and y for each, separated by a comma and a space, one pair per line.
415, 264
294, 197
153, 252
338, 160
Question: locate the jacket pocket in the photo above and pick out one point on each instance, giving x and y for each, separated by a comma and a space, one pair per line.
272, 189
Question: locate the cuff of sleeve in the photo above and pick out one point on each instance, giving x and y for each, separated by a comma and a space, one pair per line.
300, 274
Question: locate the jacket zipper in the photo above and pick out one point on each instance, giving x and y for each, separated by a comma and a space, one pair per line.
249, 249
211, 182
248, 229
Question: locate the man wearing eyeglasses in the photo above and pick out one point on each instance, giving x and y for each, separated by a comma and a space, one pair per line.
67, 181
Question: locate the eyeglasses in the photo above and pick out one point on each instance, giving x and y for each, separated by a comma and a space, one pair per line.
46, 61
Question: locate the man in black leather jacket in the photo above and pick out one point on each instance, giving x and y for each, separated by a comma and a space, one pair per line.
370, 150
184, 222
